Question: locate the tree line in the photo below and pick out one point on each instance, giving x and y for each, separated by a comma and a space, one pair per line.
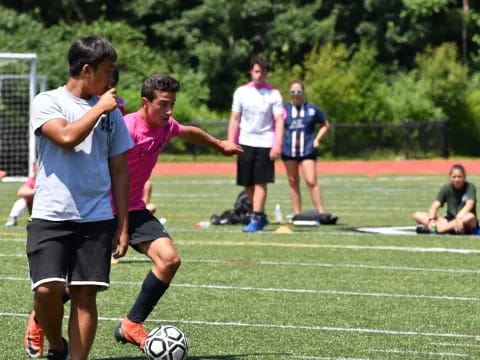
388, 61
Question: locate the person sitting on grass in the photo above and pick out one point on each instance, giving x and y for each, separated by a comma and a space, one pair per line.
461, 198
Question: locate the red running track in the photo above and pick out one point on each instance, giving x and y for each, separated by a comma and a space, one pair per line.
370, 168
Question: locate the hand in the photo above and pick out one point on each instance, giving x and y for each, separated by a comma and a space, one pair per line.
120, 244
316, 143
275, 152
108, 101
230, 148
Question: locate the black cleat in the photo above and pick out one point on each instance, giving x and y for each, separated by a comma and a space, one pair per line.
59, 355
422, 229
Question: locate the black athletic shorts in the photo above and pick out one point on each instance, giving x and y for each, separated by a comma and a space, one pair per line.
70, 252
143, 226
312, 156
254, 166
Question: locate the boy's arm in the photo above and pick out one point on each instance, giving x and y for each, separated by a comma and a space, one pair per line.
121, 198
70, 134
276, 150
197, 136
233, 125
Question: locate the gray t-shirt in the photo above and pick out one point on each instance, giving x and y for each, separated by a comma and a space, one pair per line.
74, 184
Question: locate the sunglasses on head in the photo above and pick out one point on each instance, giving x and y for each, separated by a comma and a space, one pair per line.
296, 92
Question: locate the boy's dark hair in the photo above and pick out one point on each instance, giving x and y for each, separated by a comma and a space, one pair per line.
115, 75
91, 50
260, 61
159, 82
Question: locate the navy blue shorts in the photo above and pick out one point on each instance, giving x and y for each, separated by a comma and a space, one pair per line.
312, 156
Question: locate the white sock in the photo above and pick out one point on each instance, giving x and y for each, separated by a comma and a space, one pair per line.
18, 208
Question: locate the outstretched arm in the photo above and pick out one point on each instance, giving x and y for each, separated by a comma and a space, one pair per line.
197, 136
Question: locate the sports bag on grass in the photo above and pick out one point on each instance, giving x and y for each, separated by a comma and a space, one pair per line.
314, 215
241, 213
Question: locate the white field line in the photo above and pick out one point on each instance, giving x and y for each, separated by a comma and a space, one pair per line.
456, 344
417, 249
329, 246
324, 358
284, 326
286, 290
299, 233
396, 351
299, 264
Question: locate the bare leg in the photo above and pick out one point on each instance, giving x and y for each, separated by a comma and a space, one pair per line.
259, 197
465, 225
48, 306
309, 171
421, 217
291, 166
83, 320
249, 191
166, 260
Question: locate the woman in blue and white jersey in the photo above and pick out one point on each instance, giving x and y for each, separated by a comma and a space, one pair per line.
300, 143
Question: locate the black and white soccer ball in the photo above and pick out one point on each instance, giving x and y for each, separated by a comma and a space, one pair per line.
166, 343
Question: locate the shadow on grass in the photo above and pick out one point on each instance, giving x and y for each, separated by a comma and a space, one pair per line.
234, 357
206, 357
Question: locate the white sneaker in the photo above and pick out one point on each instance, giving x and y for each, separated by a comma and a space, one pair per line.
12, 221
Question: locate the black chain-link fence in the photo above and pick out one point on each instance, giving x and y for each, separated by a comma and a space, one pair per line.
410, 140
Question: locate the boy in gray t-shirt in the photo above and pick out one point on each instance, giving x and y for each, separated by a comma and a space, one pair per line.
81, 143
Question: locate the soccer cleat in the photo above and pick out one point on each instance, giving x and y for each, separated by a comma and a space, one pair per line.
12, 221
252, 226
256, 224
33, 340
131, 332
59, 355
262, 222
421, 229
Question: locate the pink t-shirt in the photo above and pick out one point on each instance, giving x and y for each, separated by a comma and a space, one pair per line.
149, 143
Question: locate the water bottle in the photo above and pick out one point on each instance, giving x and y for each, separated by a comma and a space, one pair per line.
278, 214
433, 228
202, 225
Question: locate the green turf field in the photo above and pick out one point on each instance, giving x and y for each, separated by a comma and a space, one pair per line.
318, 293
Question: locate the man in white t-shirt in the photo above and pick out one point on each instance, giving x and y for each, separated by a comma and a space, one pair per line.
257, 121
81, 142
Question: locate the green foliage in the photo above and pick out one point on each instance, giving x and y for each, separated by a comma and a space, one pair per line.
329, 83
362, 61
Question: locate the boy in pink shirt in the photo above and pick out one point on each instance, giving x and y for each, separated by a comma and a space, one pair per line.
151, 127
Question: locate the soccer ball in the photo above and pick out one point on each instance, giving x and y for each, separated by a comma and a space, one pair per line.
166, 343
